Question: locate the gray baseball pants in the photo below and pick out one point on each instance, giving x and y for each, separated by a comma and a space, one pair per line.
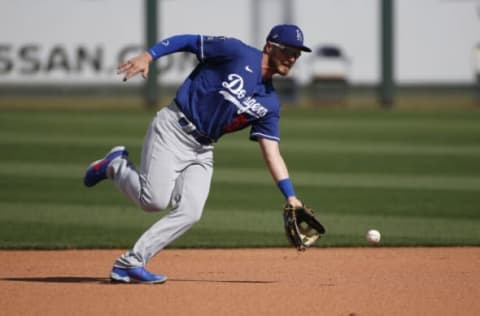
176, 171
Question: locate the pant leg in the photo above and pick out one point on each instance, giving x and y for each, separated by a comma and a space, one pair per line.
189, 197
188, 200
150, 188
175, 169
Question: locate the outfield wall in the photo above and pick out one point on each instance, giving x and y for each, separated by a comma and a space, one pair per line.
78, 42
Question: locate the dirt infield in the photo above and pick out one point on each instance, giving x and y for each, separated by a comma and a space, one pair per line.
359, 281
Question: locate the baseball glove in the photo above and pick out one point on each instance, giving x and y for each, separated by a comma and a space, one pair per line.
301, 226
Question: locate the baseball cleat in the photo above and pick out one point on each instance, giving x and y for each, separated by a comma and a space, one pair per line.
97, 171
136, 275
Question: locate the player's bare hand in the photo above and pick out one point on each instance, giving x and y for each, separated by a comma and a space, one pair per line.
293, 201
136, 65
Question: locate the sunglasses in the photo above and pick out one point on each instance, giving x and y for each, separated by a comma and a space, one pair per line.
289, 52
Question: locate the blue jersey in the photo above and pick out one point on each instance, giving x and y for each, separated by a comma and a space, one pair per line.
225, 92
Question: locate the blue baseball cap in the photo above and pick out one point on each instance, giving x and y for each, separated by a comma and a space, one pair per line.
288, 34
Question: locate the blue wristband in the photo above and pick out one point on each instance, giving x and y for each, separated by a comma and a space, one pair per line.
286, 187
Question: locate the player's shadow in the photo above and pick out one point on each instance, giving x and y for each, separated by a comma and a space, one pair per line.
60, 279
79, 279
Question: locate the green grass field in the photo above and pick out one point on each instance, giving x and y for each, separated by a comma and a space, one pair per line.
412, 174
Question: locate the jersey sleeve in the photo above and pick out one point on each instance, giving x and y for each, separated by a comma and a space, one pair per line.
218, 47
266, 127
177, 43
203, 46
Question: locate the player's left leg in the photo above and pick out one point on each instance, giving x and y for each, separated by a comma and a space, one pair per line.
188, 200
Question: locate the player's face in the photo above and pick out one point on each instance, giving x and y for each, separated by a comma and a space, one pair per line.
283, 58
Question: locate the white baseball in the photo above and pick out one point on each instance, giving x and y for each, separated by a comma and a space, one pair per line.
373, 236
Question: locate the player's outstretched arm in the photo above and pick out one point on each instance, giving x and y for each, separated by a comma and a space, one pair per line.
177, 43
135, 65
278, 169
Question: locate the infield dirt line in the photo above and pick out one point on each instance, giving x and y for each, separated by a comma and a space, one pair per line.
321, 281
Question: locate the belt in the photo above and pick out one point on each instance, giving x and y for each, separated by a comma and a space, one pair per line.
190, 129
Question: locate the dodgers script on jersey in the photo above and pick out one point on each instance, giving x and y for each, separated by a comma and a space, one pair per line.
225, 92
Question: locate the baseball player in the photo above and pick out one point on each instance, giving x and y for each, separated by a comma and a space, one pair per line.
230, 89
